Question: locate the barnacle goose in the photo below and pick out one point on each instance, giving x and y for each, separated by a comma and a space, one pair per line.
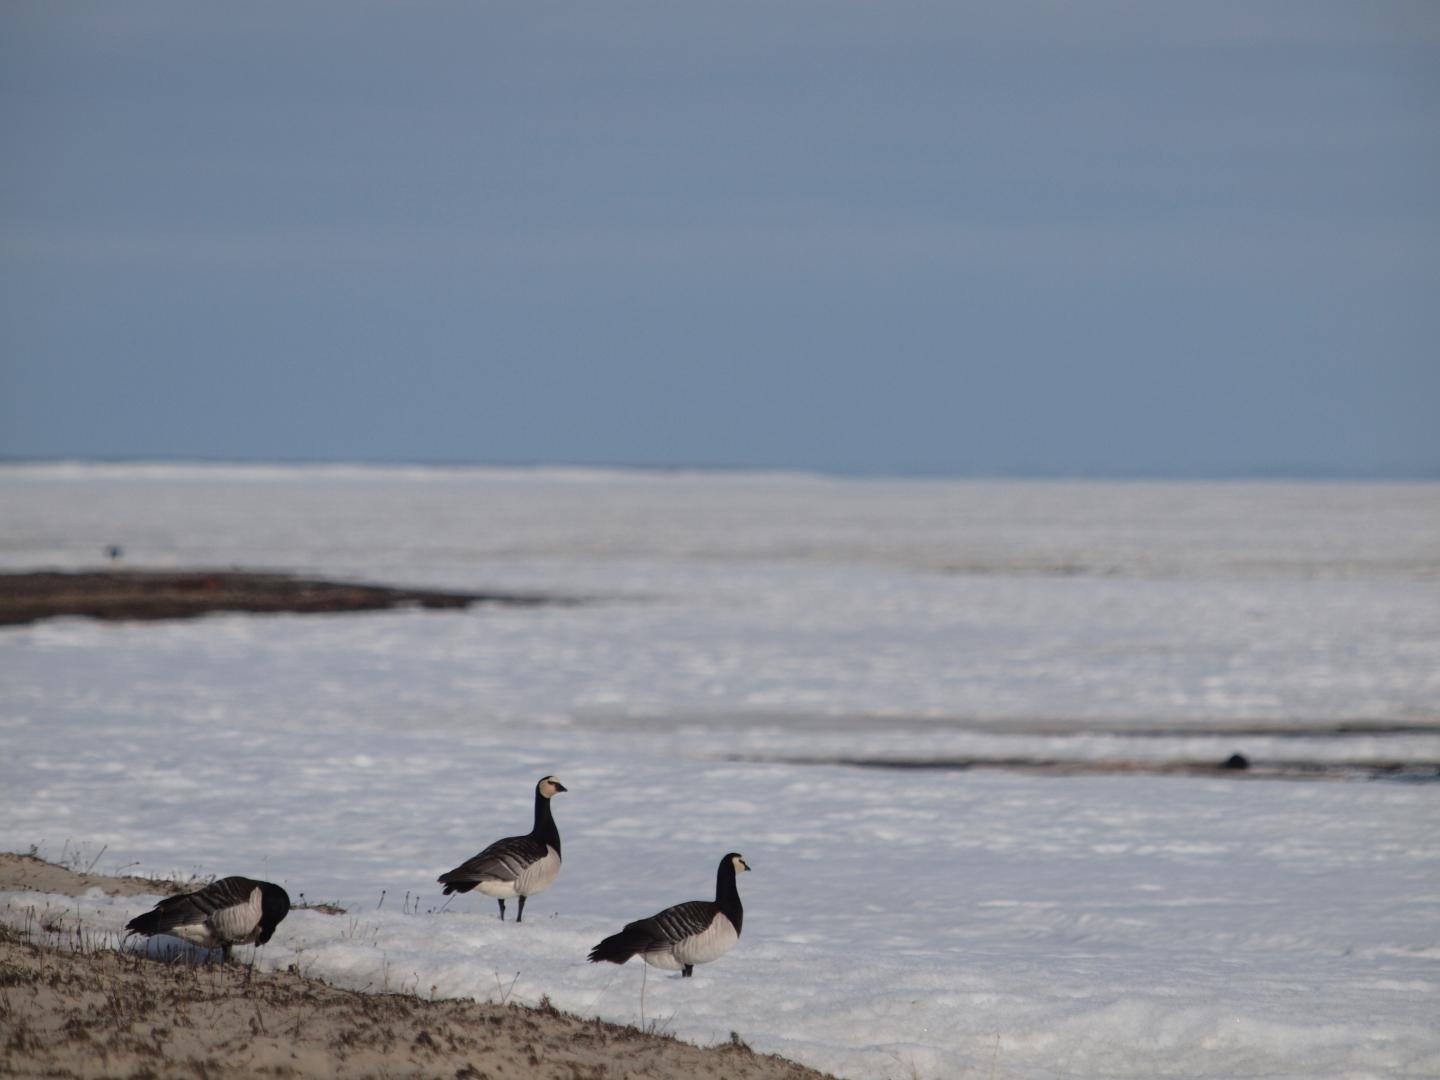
687, 934
232, 911
517, 865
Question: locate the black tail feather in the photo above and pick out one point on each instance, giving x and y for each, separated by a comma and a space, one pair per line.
165, 916
147, 924
617, 948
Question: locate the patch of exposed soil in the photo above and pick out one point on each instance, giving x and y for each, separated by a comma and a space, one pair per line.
26, 873
1236, 766
181, 594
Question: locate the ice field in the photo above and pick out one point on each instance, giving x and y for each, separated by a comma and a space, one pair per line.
900, 922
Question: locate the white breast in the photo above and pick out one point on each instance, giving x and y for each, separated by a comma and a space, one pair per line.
540, 875
710, 944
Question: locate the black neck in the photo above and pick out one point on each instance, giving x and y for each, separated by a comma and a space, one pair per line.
727, 896
545, 830
274, 906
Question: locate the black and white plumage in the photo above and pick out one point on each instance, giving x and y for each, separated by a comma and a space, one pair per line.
687, 934
517, 865
232, 911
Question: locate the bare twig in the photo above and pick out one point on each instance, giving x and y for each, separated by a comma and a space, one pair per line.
503, 991
97, 858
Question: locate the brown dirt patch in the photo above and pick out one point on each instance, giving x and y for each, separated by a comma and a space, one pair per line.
26, 873
167, 594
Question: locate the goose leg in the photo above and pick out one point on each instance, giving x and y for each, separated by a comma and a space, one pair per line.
502, 909
224, 954
688, 970
521, 913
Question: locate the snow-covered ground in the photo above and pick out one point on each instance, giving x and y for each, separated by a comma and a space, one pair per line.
899, 923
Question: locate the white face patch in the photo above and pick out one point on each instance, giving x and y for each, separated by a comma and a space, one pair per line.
549, 786
739, 864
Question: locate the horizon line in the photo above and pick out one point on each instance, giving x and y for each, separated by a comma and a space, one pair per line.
1415, 474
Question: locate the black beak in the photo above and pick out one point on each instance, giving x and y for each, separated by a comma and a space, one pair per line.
559, 786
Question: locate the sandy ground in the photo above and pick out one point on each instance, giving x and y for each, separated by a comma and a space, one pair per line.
26, 873
90, 1011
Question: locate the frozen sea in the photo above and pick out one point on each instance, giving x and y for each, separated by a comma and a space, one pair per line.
743, 637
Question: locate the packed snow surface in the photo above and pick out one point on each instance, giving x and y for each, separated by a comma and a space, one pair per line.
899, 922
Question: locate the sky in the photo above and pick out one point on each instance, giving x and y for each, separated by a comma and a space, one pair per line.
998, 238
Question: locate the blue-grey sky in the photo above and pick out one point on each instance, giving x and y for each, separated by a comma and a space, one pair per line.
995, 237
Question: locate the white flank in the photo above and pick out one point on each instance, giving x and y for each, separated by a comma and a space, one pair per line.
536, 877
196, 934
710, 944
539, 875
238, 924
663, 957
505, 890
